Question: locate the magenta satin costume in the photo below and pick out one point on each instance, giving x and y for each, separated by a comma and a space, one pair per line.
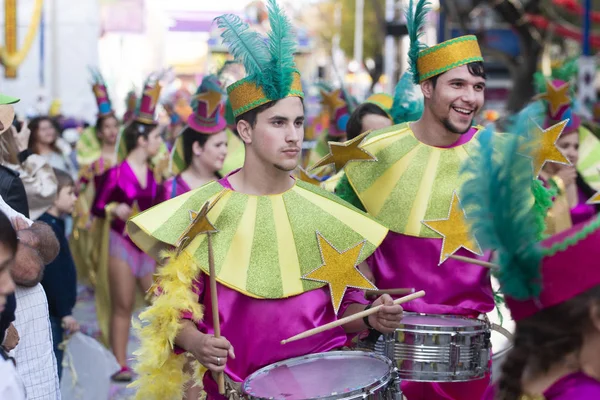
454, 287
173, 187
575, 386
120, 185
582, 212
255, 327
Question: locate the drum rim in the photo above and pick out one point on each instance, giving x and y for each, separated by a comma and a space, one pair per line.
481, 325
381, 382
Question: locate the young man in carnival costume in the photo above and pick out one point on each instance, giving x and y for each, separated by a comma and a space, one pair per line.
407, 177
579, 148
201, 148
124, 191
272, 236
96, 154
551, 285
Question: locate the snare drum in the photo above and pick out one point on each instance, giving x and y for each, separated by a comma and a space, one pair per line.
333, 375
440, 348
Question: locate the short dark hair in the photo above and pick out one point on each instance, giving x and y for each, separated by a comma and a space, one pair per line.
101, 119
8, 236
190, 136
475, 68
354, 127
135, 130
63, 179
250, 116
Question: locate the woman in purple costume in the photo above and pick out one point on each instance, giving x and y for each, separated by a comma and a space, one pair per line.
126, 190
201, 148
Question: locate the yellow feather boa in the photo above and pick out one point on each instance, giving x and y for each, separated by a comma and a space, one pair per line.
160, 371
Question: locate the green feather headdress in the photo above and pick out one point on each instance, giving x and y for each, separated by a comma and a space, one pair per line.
270, 66
415, 21
506, 207
408, 105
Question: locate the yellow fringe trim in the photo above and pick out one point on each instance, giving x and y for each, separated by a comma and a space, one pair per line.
160, 370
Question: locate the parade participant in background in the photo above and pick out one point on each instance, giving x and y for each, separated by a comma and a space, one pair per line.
410, 182
125, 190
557, 331
271, 231
96, 154
200, 150
178, 109
339, 105
572, 191
371, 115
130, 105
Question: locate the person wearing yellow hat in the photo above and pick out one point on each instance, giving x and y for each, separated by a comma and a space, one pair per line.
125, 190
200, 149
268, 229
410, 183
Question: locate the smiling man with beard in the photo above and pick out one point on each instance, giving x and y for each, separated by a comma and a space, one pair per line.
411, 185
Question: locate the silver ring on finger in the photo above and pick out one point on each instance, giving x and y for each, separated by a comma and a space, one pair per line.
219, 361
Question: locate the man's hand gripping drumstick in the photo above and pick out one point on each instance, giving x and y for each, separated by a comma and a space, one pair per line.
377, 322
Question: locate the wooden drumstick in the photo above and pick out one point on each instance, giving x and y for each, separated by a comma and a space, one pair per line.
390, 291
351, 318
215, 304
474, 261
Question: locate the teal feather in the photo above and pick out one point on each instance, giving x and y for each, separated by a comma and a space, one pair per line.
246, 46
524, 121
282, 46
408, 105
415, 21
497, 196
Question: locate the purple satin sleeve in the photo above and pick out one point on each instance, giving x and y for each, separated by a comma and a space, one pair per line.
104, 192
576, 386
120, 185
582, 211
454, 287
255, 327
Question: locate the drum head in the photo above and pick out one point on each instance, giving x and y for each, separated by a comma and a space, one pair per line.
441, 323
333, 375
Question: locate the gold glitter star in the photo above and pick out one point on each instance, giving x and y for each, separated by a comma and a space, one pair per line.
557, 96
199, 223
595, 199
305, 177
455, 231
154, 93
544, 146
332, 100
341, 154
99, 92
212, 100
339, 270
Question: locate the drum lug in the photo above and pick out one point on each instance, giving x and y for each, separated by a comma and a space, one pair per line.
454, 356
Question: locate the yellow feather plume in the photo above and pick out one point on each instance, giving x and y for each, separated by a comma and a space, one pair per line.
160, 371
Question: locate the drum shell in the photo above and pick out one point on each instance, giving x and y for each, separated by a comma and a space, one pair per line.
456, 350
